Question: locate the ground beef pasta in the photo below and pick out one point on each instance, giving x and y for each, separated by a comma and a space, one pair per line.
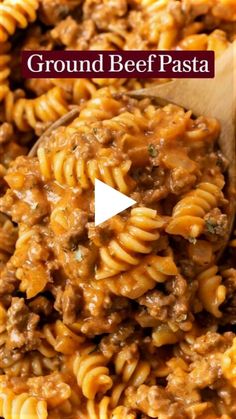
134, 318
119, 319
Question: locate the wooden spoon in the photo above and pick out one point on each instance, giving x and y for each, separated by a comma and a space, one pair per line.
214, 98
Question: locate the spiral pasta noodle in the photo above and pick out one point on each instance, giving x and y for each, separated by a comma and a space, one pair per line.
92, 373
83, 89
163, 31
102, 106
58, 337
33, 278
15, 14
109, 41
26, 113
188, 214
98, 410
165, 34
33, 364
117, 393
140, 231
5, 71
210, 290
215, 41
137, 281
22, 406
134, 122
66, 168
102, 410
115, 83
5, 58
134, 371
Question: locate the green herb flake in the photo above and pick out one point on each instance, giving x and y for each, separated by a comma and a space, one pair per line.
95, 131
210, 226
152, 150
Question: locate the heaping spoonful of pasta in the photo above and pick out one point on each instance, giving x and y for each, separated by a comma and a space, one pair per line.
212, 97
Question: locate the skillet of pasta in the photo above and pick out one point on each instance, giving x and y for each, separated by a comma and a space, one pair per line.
134, 318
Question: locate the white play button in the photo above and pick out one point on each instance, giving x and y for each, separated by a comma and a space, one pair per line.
109, 202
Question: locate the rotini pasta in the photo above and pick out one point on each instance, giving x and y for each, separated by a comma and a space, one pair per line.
83, 89
163, 32
22, 405
15, 14
92, 373
100, 107
101, 410
116, 393
133, 123
126, 285
140, 230
211, 292
188, 214
33, 364
137, 281
5, 58
59, 337
69, 169
98, 410
33, 279
26, 113
134, 370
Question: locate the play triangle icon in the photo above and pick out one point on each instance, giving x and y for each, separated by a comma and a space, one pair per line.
109, 202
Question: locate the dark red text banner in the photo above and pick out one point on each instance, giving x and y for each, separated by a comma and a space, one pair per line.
118, 64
